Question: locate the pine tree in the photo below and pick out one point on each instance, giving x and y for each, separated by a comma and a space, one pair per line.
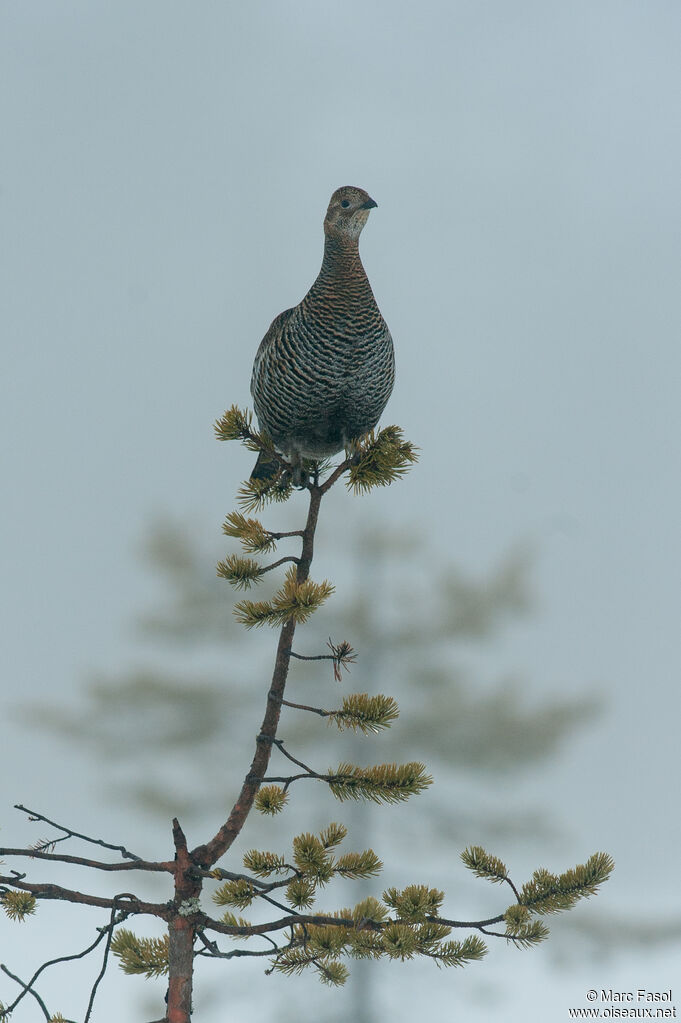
403, 923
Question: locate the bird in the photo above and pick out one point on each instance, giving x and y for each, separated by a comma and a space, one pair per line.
325, 369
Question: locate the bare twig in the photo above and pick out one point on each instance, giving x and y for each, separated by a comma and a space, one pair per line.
28, 990
52, 962
470, 924
286, 780
304, 706
276, 564
299, 763
82, 861
336, 474
341, 654
312, 657
213, 952
55, 891
273, 902
69, 833
238, 952
514, 889
290, 920
264, 886
110, 930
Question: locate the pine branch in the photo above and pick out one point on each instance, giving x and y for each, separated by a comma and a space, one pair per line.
458, 953
311, 858
483, 865
253, 495
240, 572
384, 783
416, 903
380, 460
295, 601
341, 654
300, 893
271, 799
263, 864
359, 711
522, 929
365, 713
358, 865
243, 572
333, 835
18, 905
255, 539
147, 957
489, 867
239, 894
550, 893
367, 912
234, 425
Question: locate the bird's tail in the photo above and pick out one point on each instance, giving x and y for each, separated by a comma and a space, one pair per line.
266, 468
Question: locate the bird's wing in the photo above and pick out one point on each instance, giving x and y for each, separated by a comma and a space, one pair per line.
273, 332
267, 350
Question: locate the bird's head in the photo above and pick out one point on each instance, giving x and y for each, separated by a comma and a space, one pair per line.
348, 212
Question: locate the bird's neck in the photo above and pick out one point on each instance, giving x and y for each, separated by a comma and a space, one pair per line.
341, 265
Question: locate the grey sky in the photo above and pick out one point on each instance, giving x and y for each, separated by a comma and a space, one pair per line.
164, 172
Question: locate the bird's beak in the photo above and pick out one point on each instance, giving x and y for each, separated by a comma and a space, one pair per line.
368, 205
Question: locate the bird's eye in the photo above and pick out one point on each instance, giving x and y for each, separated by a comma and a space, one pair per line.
345, 203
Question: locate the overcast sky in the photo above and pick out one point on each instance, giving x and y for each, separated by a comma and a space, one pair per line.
164, 173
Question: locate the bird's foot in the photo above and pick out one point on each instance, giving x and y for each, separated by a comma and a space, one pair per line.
299, 477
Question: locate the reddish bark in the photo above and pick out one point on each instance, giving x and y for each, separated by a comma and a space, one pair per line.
181, 932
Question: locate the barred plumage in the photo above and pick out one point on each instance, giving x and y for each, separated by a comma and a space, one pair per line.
325, 369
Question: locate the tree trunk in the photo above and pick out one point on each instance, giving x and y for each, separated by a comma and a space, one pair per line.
181, 961
181, 932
